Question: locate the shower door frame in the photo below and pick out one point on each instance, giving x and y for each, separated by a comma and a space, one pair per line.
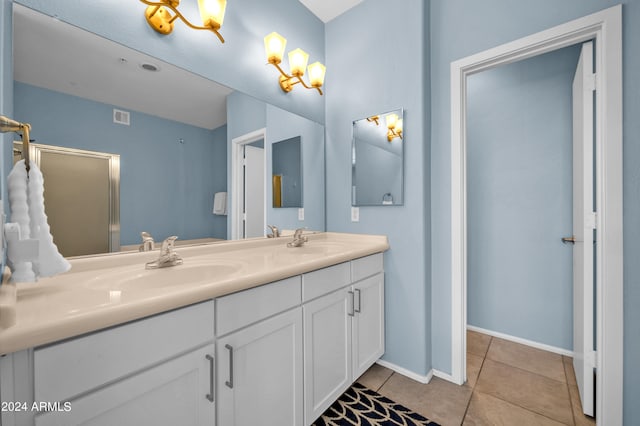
35, 153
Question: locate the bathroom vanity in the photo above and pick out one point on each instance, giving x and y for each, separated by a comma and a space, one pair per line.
243, 333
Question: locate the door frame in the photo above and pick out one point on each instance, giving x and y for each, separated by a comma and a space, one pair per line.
35, 153
237, 179
605, 28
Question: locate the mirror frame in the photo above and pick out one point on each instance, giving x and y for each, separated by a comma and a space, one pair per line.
354, 202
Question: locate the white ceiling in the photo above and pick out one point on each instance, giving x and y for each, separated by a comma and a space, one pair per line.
326, 10
54, 55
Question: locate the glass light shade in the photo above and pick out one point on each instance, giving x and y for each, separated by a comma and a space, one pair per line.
399, 125
212, 12
392, 120
316, 74
298, 62
274, 45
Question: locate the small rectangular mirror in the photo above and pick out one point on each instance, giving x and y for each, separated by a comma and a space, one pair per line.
377, 175
287, 173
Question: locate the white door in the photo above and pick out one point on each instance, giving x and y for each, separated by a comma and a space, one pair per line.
583, 227
259, 375
327, 351
254, 225
368, 323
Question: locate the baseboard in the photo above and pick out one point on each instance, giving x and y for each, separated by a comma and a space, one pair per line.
444, 376
407, 373
522, 341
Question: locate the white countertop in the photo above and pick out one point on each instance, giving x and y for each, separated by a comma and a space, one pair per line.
100, 291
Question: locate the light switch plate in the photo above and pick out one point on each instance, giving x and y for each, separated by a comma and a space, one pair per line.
301, 214
355, 214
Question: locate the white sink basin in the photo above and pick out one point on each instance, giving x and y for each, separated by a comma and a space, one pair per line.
138, 278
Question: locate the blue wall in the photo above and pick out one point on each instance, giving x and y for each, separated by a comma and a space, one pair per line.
519, 192
166, 186
376, 61
460, 28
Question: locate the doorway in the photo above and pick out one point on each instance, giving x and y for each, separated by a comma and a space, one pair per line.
248, 212
605, 29
522, 185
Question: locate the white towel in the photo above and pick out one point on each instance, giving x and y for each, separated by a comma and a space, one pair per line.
17, 184
50, 261
220, 203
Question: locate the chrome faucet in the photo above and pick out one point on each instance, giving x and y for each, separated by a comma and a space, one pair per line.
168, 257
147, 242
275, 232
298, 239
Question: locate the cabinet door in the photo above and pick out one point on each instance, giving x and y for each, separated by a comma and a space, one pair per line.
176, 392
260, 373
327, 351
368, 323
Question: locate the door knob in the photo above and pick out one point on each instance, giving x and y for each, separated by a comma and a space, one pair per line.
570, 239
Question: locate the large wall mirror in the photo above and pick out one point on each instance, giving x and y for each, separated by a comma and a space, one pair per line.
377, 174
286, 170
168, 126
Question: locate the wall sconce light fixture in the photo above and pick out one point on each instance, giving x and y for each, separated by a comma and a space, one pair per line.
160, 19
374, 119
274, 45
395, 127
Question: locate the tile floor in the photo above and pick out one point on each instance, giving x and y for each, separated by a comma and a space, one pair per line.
508, 384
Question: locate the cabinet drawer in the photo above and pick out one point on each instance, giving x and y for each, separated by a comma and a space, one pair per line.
246, 307
76, 366
324, 281
366, 266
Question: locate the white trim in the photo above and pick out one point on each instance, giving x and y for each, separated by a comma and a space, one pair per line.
520, 340
442, 375
606, 28
407, 373
237, 181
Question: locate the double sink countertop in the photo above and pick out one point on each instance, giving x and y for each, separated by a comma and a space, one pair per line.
112, 289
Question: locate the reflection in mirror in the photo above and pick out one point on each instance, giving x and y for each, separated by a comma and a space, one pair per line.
169, 126
83, 214
377, 160
81, 91
287, 173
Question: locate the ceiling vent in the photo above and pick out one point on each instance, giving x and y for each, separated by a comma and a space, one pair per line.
121, 117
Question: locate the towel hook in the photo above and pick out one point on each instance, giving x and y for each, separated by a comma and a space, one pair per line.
9, 125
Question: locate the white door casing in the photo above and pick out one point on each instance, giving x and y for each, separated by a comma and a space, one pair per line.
236, 194
605, 29
583, 225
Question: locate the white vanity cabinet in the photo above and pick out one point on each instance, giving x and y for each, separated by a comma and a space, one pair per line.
158, 370
275, 354
260, 356
343, 330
